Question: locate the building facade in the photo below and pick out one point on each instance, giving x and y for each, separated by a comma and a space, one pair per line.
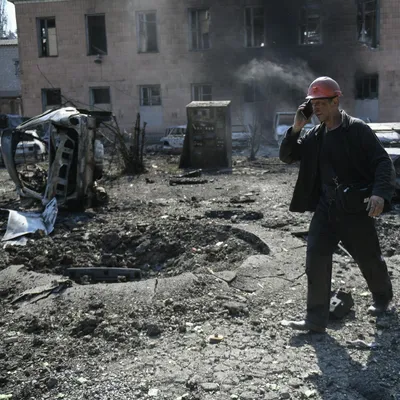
155, 56
10, 86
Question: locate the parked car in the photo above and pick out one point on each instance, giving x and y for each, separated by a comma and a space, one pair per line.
240, 136
388, 134
9, 121
175, 136
284, 120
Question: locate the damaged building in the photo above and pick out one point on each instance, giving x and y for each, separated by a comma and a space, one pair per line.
10, 86
157, 56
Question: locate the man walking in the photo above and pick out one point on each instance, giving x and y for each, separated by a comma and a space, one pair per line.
341, 150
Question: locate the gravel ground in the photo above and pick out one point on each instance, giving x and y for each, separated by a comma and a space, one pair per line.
220, 269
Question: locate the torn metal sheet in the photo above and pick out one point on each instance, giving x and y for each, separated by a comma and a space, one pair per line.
21, 241
41, 292
22, 223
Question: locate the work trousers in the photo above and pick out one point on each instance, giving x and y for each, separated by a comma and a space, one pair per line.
358, 235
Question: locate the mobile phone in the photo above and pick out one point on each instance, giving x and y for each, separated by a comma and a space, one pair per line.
307, 110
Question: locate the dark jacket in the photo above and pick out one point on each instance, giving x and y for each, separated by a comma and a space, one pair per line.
367, 154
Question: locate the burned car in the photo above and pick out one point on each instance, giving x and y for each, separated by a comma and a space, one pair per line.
175, 137
75, 156
388, 134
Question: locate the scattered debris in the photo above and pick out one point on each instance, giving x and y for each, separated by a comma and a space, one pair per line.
243, 199
103, 274
362, 344
197, 267
213, 339
22, 223
310, 393
227, 276
191, 174
41, 292
153, 392
239, 214
187, 181
340, 304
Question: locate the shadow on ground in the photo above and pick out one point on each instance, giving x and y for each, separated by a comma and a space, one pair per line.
344, 376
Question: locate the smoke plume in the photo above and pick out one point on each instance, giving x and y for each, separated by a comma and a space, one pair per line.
296, 75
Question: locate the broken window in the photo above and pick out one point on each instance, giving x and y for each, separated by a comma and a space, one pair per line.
252, 92
201, 92
367, 22
96, 34
367, 87
150, 95
254, 27
147, 32
199, 23
100, 98
51, 98
47, 37
310, 23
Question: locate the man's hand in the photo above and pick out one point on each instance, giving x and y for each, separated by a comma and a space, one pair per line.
375, 206
299, 120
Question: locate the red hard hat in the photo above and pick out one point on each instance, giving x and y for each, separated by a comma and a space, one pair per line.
323, 87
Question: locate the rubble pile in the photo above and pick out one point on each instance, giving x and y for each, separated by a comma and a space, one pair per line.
222, 264
166, 247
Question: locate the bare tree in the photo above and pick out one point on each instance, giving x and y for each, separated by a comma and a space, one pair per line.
3, 19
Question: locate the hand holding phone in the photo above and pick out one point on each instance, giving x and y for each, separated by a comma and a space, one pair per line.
307, 110
303, 114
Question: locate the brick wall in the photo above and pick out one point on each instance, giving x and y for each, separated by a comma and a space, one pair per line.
175, 68
9, 79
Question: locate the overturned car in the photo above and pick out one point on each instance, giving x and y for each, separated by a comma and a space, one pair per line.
75, 156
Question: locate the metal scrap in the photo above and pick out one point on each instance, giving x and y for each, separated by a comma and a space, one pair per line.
103, 274
23, 223
362, 344
41, 292
187, 181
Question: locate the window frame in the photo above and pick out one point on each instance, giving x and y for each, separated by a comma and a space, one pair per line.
138, 36
312, 9
45, 103
201, 87
252, 46
40, 38
375, 40
199, 35
141, 97
88, 44
363, 79
92, 96
256, 94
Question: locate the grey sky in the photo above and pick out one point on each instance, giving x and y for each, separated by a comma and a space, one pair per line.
12, 24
